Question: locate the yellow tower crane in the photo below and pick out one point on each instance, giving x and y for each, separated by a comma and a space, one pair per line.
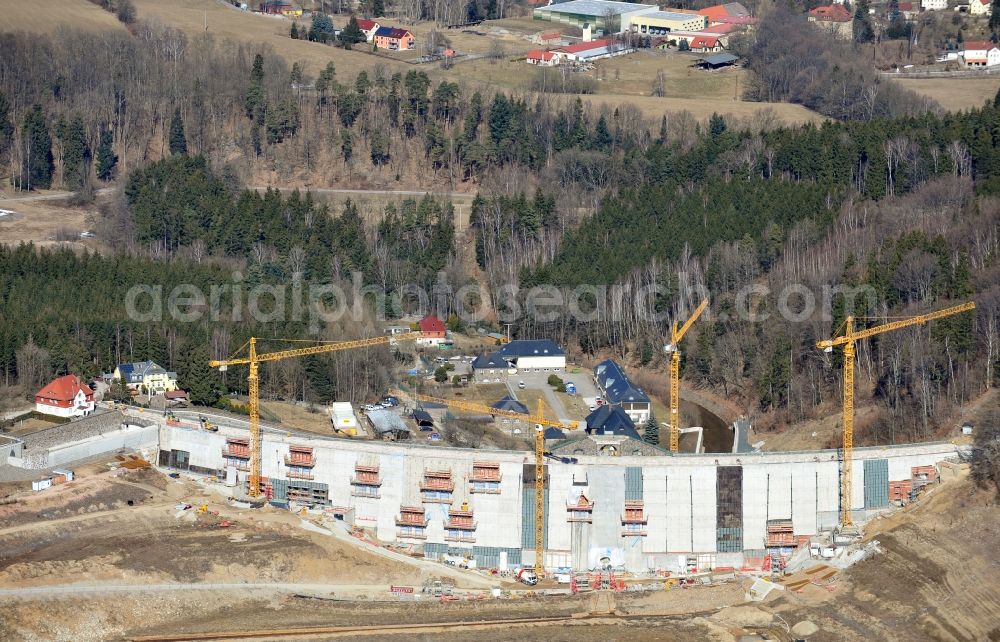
254, 358
847, 340
540, 423
673, 349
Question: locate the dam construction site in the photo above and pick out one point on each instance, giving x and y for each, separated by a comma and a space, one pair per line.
204, 525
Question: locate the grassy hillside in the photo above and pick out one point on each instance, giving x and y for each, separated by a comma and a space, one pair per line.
228, 23
49, 15
955, 94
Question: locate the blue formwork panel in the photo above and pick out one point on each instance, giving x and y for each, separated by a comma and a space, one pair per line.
729, 540
633, 483
528, 518
876, 483
280, 489
435, 551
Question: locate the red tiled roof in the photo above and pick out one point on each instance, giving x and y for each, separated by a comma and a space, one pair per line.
979, 45
735, 20
538, 54
431, 323
175, 394
365, 24
64, 389
906, 6
704, 42
833, 13
719, 28
714, 12
585, 46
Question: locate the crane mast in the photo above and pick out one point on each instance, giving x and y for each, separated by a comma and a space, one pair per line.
254, 359
848, 340
673, 349
540, 423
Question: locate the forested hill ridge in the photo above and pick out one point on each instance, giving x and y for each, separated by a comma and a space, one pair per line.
568, 195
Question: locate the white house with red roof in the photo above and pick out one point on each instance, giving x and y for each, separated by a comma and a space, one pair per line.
542, 58
981, 53
433, 331
980, 7
66, 396
368, 27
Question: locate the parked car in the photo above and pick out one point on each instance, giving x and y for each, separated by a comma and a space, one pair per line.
593, 407
390, 401
370, 407
520, 384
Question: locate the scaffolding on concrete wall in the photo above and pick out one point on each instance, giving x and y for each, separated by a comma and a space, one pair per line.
729, 509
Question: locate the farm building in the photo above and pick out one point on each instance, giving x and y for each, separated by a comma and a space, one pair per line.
541, 355
660, 23
602, 16
593, 50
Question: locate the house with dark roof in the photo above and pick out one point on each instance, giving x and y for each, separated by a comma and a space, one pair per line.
534, 355
618, 390
611, 420
510, 404
423, 418
489, 368
393, 39
146, 376
66, 396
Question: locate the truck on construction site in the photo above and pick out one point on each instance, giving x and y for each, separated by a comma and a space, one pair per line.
526, 576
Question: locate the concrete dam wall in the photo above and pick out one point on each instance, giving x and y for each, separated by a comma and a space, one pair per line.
631, 512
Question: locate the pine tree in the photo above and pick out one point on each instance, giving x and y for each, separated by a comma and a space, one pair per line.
346, 145
197, 377
651, 433
38, 164
995, 15
119, 391
6, 127
294, 32
352, 34
716, 126
322, 28
863, 31
602, 136
76, 154
178, 143
378, 8
107, 160
255, 99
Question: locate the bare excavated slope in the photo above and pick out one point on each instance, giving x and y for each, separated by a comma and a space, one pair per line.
939, 578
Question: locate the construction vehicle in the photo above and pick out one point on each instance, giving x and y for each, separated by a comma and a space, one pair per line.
172, 419
527, 576
207, 425
848, 339
540, 423
673, 349
254, 359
